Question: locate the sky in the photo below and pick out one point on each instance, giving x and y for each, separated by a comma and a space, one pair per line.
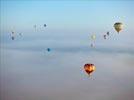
65, 15
67, 18
29, 72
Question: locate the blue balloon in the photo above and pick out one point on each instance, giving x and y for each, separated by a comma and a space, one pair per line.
48, 49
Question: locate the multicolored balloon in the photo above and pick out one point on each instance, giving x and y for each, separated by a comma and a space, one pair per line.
89, 68
118, 26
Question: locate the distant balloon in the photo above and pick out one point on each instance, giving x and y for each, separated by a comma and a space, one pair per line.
12, 32
92, 45
12, 37
104, 36
45, 25
89, 68
108, 33
93, 37
48, 49
20, 34
118, 26
35, 26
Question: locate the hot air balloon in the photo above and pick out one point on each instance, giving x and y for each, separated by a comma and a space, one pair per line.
89, 68
48, 49
92, 45
45, 25
93, 37
12, 38
12, 35
12, 32
34, 26
108, 33
104, 36
20, 34
118, 26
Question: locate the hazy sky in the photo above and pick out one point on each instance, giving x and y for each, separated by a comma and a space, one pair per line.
73, 21
65, 15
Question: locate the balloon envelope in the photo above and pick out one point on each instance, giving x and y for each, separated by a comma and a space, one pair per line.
92, 45
108, 33
93, 37
12, 32
48, 49
45, 25
12, 38
34, 26
104, 36
118, 26
89, 68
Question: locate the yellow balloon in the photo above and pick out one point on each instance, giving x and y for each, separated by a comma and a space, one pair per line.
118, 26
93, 37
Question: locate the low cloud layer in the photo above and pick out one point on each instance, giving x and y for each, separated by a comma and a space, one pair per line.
32, 75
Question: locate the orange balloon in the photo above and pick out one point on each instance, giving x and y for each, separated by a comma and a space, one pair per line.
89, 68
